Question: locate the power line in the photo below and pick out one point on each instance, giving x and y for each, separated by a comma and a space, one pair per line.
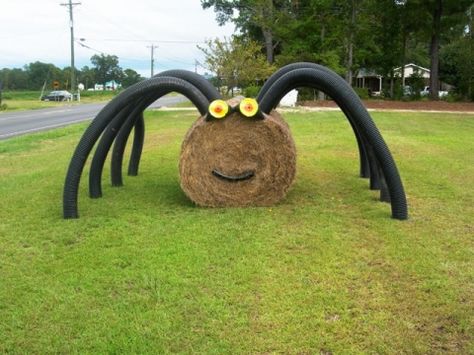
71, 5
147, 41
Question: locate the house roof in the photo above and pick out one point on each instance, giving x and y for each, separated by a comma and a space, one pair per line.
414, 66
364, 73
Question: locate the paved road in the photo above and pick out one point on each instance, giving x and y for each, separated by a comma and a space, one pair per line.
18, 123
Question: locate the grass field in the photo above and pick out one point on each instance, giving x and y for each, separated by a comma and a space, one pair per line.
325, 271
29, 100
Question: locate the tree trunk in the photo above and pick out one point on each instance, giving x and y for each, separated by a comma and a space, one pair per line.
350, 47
265, 11
391, 83
321, 95
404, 51
434, 50
268, 36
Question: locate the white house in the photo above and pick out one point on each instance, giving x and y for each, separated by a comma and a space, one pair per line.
290, 99
374, 82
411, 69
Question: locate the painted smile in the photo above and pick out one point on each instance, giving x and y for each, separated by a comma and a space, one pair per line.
234, 178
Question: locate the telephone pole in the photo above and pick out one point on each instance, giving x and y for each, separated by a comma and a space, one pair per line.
153, 47
71, 5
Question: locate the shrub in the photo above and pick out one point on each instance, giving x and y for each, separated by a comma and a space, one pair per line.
362, 92
251, 91
3, 107
452, 97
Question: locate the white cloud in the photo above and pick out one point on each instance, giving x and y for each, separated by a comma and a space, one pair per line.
32, 30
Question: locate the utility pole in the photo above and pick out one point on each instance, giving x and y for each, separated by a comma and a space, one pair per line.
153, 47
71, 5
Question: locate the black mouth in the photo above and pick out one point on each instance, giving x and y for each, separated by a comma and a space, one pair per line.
233, 178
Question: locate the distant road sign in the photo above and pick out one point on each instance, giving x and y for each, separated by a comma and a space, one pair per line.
56, 84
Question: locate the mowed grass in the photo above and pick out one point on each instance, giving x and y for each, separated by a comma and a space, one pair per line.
324, 271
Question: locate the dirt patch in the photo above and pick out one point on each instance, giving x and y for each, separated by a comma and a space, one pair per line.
402, 105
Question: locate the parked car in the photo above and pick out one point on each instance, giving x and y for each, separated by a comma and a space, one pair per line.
426, 92
61, 95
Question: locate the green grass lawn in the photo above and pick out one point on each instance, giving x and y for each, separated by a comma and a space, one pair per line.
324, 271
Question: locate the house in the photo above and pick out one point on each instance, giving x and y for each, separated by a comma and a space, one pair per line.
370, 80
109, 85
374, 82
410, 70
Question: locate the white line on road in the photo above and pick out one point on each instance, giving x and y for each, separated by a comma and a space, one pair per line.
42, 128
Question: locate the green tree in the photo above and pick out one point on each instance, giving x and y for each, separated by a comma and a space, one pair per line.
65, 79
236, 62
39, 73
457, 65
250, 16
130, 77
86, 77
106, 68
443, 15
310, 30
14, 79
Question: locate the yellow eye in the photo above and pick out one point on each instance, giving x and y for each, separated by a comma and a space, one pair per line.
218, 109
248, 107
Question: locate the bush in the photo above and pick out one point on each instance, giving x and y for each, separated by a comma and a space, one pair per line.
362, 92
251, 91
307, 94
3, 107
452, 97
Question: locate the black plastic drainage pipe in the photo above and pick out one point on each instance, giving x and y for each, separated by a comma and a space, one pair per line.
98, 160
364, 158
121, 127
334, 86
207, 89
161, 86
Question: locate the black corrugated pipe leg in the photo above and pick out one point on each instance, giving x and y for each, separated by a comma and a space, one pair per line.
119, 149
365, 160
161, 86
137, 147
334, 86
197, 80
98, 161
126, 124
133, 110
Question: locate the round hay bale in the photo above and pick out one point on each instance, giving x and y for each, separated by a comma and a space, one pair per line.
237, 161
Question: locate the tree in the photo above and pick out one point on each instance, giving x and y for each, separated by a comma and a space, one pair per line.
66, 77
457, 65
39, 73
442, 14
236, 62
252, 14
14, 79
130, 77
106, 68
311, 31
86, 77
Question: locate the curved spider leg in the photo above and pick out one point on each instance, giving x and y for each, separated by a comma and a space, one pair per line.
161, 85
138, 124
365, 160
334, 86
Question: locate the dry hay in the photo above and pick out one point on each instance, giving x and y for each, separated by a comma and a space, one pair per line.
235, 147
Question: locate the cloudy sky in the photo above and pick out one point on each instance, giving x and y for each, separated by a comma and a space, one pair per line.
38, 30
